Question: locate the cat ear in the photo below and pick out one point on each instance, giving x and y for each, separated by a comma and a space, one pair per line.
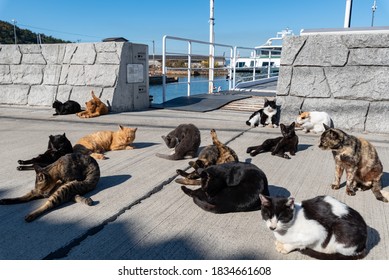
264, 200
64, 135
290, 202
326, 127
300, 112
282, 126
121, 127
292, 124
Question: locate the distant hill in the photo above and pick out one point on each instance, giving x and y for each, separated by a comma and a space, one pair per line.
23, 36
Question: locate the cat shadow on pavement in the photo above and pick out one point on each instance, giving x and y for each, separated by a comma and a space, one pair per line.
142, 145
108, 182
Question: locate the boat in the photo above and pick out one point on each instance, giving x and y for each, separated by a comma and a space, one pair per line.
268, 54
158, 80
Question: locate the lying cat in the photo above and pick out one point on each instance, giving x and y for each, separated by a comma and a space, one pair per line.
322, 227
67, 179
96, 144
185, 139
288, 142
229, 187
213, 154
265, 116
313, 121
360, 160
58, 146
94, 108
66, 108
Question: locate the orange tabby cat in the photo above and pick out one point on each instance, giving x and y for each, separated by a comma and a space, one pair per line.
97, 143
94, 108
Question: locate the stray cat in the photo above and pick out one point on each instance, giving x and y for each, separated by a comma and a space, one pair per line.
69, 107
314, 121
67, 179
322, 227
58, 146
230, 187
96, 144
94, 108
358, 158
288, 142
265, 116
213, 154
185, 139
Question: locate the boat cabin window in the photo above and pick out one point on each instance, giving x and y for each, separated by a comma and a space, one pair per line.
266, 64
240, 64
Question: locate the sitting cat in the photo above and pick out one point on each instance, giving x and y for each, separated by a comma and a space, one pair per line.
69, 107
96, 144
185, 139
288, 142
322, 227
229, 187
360, 160
314, 121
265, 116
58, 146
67, 179
94, 108
213, 154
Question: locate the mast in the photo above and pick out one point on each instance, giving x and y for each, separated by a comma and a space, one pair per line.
211, 46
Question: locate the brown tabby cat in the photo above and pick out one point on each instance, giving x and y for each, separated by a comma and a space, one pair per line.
94, 108
67, 179
97, 143
213, 154
358, 157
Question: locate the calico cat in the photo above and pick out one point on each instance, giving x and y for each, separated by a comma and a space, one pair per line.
313, 121
213, 154
229, 187
265, 116
67, 179
185, 139
288, 142
94, 108
96, 144
66, 108
58, 146
322, 227
358, 158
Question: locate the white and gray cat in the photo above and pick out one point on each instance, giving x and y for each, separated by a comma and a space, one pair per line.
321, 227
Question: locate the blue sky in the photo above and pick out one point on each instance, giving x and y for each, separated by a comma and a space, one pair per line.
237, 22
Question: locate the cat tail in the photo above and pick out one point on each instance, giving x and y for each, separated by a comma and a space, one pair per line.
171, 157
337, 256
109, 106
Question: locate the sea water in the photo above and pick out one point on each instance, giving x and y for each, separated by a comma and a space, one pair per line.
198, 85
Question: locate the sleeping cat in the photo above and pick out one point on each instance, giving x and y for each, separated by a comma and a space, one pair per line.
322, 227
94, 108
58, 146
213, 154
288, 142
96, 144
314, 121
68, 107
229, 187
265, 116
185, 139
67, 179
358, 158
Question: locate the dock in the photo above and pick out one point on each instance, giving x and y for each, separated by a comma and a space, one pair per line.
141, 213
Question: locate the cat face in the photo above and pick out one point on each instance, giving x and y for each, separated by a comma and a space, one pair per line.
170, 141
211, 181
44, 183
288, 131
57, 104
303, 117
127, 134
277, 212
331, 139
270, 105
58, 142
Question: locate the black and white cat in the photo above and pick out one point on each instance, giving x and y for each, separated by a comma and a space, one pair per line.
265, 116
321, 227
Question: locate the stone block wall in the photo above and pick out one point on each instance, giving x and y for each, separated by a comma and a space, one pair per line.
39, 74
345, 74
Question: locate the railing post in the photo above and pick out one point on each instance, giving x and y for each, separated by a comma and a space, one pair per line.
189, 65
164, 69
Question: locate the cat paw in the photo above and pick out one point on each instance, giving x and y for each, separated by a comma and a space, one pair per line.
275, 126
280, 248
334, 186
253, 154
286, 156
129, 148
29, 218
350, 192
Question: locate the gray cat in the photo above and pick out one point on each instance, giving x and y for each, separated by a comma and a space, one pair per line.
185, 139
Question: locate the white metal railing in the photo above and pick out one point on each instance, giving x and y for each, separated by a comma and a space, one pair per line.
231, 68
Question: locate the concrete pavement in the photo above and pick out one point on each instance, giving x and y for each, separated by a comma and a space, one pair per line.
141, 213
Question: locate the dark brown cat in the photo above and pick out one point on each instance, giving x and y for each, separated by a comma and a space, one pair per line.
358, 158
288, 142
67, 179
213, 154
